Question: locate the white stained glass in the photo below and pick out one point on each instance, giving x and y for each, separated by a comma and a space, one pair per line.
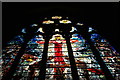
81, 24
90, 29
73, 29
56, 30
34, 25
23, 30
40, 30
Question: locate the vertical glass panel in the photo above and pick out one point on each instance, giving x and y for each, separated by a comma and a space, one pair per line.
29, 64
87, 66
108, 54
58, 64
10, 52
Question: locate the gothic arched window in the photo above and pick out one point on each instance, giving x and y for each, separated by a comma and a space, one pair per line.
55, 50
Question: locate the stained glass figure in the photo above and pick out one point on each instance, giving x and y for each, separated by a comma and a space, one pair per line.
58, 64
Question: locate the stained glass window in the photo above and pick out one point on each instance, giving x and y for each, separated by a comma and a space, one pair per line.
58, 65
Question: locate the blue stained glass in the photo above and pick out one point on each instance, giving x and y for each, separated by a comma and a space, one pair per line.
11, 51
30, 61
17, 40
108, 54
58, 62
23, 30
77, 37
90, 29
95, 37
84, 59
33, 25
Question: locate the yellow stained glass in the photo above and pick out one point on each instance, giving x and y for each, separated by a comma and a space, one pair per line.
65, 21
56, 17
48, 22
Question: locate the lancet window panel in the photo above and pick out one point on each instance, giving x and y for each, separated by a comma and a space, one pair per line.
84, 59
58, 64
107, 53
30, 61
11, 51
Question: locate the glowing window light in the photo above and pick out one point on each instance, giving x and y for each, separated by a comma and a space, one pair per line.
56, 17
34, 25
23, 30
90, 29
56, 30
48, 22
45, 17
40, 30
73, 29
81, 24
57, 36
65, 21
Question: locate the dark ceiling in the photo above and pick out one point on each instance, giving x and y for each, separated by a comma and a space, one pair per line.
103, 16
